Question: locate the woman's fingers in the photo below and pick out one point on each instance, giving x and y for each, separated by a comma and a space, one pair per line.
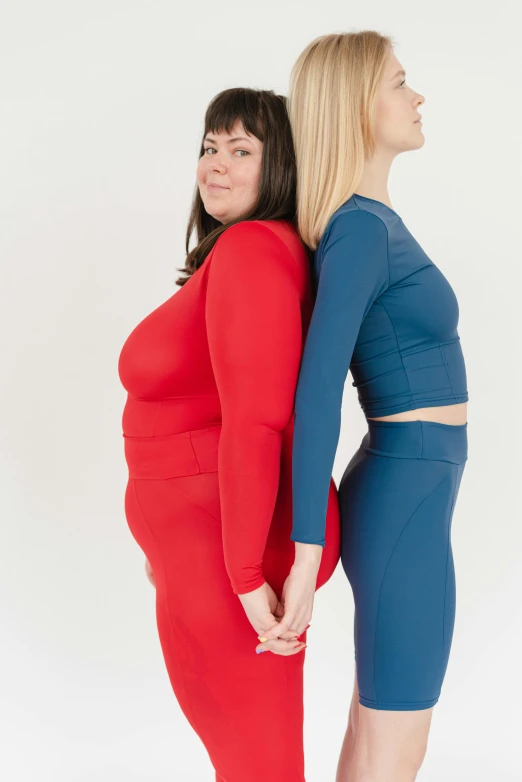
289, 624
294, 633
279, 610
150, 574
289, 635
279, 629
300, 627
278, 614
281, 647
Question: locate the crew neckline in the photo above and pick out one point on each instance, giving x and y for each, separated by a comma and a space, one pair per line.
366, 198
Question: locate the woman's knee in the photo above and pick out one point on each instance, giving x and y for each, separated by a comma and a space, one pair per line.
391, 745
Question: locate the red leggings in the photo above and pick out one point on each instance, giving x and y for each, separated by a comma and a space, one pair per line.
246, 708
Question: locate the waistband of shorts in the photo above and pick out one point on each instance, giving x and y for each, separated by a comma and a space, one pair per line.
173, 455
417, 440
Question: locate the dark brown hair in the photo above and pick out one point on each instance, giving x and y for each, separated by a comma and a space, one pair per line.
263, 115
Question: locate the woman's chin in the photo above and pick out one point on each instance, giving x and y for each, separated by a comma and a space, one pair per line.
420, 138
217, 215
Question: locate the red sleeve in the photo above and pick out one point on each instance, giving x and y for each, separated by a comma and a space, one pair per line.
254, 331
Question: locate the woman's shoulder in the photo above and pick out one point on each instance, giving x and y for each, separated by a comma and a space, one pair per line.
353, 226
261, 228
354, 234
352, 217
264, 239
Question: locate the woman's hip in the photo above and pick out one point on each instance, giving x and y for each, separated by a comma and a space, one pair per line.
405, 476
397, 459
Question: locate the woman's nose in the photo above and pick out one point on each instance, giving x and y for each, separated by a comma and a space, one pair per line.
217, 163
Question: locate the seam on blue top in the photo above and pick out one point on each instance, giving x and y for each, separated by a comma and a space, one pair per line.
423, 402
355, 196
410, 352
447, 371
423, 349
373, 358
399, 349
387, 238
381, 455
366, 211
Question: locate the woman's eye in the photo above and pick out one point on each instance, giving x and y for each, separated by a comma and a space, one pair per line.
210, 149
242, 150
402, 82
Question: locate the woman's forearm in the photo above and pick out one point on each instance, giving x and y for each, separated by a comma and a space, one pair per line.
308, 556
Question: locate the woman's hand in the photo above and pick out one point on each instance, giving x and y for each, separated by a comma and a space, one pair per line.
264, 611
150, 574
298, 592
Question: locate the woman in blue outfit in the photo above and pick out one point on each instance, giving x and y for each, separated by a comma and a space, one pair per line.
385, 312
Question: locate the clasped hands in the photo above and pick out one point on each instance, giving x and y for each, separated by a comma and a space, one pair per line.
280, 623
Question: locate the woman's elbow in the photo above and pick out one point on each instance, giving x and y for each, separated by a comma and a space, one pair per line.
275, 419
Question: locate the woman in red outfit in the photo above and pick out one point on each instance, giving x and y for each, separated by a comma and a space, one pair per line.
211, 376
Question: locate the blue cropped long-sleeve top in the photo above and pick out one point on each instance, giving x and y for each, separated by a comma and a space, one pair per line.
387, 313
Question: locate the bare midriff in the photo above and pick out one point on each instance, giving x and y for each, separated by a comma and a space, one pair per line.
448, 414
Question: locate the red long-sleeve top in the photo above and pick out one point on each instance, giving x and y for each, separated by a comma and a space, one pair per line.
226, 348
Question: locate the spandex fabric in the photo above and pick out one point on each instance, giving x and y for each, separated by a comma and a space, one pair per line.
385, 312
397, 498
208, 429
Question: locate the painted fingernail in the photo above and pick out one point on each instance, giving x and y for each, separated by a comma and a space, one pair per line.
260, 651
262, 638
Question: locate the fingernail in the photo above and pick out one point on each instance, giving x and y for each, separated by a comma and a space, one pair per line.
262, 638
260, 651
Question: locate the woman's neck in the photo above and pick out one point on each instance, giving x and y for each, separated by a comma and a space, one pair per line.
374, 181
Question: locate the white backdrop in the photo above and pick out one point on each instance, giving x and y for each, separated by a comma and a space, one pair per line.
102, 109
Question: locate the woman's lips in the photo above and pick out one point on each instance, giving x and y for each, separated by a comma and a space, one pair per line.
216, 188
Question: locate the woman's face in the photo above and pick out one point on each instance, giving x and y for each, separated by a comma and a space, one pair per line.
228, 173
397, 127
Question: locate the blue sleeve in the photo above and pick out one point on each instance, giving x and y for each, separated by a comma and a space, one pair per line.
353, 273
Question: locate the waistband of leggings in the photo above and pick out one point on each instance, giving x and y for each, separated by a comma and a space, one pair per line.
418, 440
173, 455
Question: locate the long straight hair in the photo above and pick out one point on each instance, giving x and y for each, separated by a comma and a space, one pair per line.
332, 93
263, 115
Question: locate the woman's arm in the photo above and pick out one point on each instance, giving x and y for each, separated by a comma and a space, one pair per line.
353, 273
255, 336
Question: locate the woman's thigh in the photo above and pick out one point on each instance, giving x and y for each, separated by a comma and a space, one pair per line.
246, 708
396, 552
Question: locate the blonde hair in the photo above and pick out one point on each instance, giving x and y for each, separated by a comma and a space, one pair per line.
331, 100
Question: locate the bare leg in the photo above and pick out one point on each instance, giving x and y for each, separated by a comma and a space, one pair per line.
383, 746
345, 767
